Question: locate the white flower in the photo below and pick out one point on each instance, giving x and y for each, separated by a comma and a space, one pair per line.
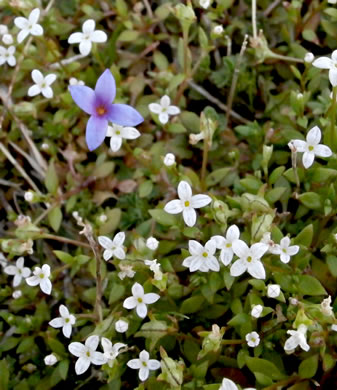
285, 250
18, 270
65, 321
41, 277
155, 267
152, 243
144, 364
103, 218
334, 327
87, 354
7, 39
204, 3
298, 337
218, 30
74, 81
266, 239
114, 247
169, 159
332, 1
7, 55
126, 271
139, 300
253, 339
187, 203
256, 311
3, 29
164, 109
88, 36
202, 257
3, 261
28, 26
311, 146
273, 291
293, 301
249, 259
121, 326
50, 360
227, 384
327, 63
29, 196
111, 351
226, 244
17, 294
326, 306
42, 84
118, 133
309, 57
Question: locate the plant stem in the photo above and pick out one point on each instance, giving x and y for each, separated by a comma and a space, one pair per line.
204, 162
185, 39
64, 239
333, 135
98, 302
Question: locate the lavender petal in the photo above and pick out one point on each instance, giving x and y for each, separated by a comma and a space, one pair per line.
84, 97
105, 88
124, 115
96, 131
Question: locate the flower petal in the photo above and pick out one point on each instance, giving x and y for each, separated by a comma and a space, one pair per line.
141, 310
153, 364
163, 118
11, 270
64, 311
98, 36
333, 76
299, 145
184, 191
323, 63
201, 200
314, 135
85, 47
165, 101
293, 250
256, 269
130, 133
84, 97
82, 365
226, 255
37, 30
240, 248
75, 37
50, 78
23, 34
115, 143
220, 241
33, 280
47, 92
194, 247
137, 290
134, 363
107, 254
130, 303
258, 250
57, 322
174, 207
92, 342
190, 216
119, 253
105, 87
124, 115
46, 270
210, 246
155, 108
151, 298
173, 110
238, 268
213, 264
95, 132
37, 76
143, 373
105, 242
67, 328
20, 262
118, 239
21, 23
98, 358
88, 26
322, 151
284, 257
46, 286
308, 159
17, 280
233, 233
34, 16
77, 349
106, 344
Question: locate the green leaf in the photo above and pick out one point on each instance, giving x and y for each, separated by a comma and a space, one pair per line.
216, 176
311, 200
55, 218
275, 194
308, 367
192, 304
265, 367
128, 36
4, 377
51, 180
64, 257
305, 236
162, 217
103, 170
145, 189
308, 285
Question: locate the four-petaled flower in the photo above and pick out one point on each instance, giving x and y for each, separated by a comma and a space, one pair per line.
328, 63
155, 268
249, 259
113, 247
187, 203
144, 364
88, 36
87, 354
139, 300
202, 258
111, 351
28, 26
226, 244
164, 109
18, 270
98, 104
41, 277
253, 339
285, 250
273, 290
42, 84
298, 337
118, 133
311, 147
65, 321
227, 384
7, 55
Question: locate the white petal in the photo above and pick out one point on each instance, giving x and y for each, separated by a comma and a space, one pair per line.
220, 241
187, 262
67, 328
50, 78
11, 270
46, 286
143, 373
37, 76
334, 53
174, 207
293, 250
190, 216
226, 256
194, 247
34, 90
184, 191
151, 298
201, 200
153, 364
105, 242
77, 349
98, 36
256, 269
46, 270
333, 76
82, 365
118, 239
137, 290
291, 343
308, 159
323, 63
92, 342
119, 253
106, 344
17, 280
88, 26
304, 345
285, 258
130, 133
134, 363
130, 303
33, 280
240, 248
85, 47
115, 143
110, 132
64, 311
233, 233
36, 30
98, 358
258, 250
163, 118
20, 262
47, 92
213, 264
76, 37
25, 272
34, 16
227, 384
323, 151
23, 34
141, 310
155, 108
165, 101
107, 254
238, 268
11, 61
173, 110
300, 145
57, 322
21, 23
210, 246
314, 136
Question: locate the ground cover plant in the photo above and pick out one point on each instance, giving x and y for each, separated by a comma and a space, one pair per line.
168, 194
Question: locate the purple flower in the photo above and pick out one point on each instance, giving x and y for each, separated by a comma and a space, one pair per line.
98, 104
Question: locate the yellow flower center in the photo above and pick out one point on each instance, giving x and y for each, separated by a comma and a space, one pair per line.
311, 148
144, 364
140, 300
41, 276
67, 320
229, 245
186, 203
205, 254
118, 132
88, 353
101, 110
249, 259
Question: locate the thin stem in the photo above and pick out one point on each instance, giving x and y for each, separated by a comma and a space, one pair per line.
284, 58
254, 19
204, 162
98, 302
48, 236
333, 136
232, 342
44, 213
185, 39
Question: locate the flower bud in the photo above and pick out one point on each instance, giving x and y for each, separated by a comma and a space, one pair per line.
169, 159
121, 326
3, 29
17, 294
50, 360
308, 58
152, 243
7, 39
274, 290
29, 195
256, 311
103, 218
218, 30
